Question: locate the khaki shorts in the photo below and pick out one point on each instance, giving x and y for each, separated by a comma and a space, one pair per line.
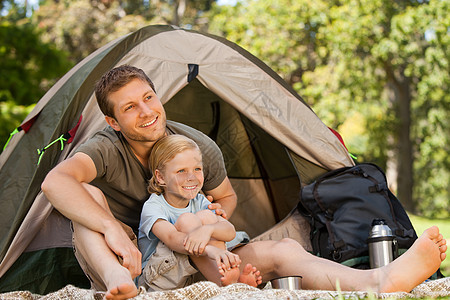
167, 270
95, 279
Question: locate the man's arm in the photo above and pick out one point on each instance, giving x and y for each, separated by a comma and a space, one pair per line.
63, 187
224, 195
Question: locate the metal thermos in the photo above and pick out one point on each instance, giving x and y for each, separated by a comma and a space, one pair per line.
380, 244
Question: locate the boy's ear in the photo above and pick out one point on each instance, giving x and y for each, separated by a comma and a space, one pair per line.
112, 122
159, 177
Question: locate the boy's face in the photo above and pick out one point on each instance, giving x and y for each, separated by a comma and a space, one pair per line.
138, 112
182, 177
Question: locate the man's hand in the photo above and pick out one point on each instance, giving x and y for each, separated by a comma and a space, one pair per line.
119, 242
216, 207
225, 196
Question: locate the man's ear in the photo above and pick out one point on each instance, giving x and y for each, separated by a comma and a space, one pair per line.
159, 177
113, 123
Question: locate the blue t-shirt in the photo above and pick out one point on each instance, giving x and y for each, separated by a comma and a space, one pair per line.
156, 207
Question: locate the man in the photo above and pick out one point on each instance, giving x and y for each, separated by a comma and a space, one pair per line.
99, 189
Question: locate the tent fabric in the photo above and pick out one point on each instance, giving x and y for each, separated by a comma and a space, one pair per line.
271, 140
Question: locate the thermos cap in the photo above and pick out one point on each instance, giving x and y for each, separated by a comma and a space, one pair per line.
380, 229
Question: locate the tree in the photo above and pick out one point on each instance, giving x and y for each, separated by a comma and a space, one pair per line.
367, 63
182, 13
29, 67
80, 27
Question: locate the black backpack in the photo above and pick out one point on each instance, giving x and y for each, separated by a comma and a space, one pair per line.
340, 207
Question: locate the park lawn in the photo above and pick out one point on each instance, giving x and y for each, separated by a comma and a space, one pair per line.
421, 223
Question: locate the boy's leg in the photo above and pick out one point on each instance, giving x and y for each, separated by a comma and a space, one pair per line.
187, 223
207, 217
287, 257
103, 265
249, 274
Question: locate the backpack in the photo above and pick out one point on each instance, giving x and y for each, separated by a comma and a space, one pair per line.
340, 207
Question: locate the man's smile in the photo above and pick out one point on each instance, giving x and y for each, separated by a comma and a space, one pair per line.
149, 123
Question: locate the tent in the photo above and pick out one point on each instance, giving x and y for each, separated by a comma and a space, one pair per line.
271, 140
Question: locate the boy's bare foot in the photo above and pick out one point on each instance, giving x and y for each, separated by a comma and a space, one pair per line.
229, 276
120, 286
250, 275
415, 265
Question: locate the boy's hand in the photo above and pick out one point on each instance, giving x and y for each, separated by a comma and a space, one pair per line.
225, 259
196, 241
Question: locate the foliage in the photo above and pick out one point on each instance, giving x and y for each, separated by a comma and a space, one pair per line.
11, 115
429, 68
81, 27
29, 67
35, 51
182, 13
375, 69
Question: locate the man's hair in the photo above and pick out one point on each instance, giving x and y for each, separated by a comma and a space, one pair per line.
114, 80
163, 151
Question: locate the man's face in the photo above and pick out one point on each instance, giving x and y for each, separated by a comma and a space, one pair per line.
138, 112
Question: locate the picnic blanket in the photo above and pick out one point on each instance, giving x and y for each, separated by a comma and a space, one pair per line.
208, 290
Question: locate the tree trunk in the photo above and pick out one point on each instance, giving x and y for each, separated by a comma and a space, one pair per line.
178, 12
400, 94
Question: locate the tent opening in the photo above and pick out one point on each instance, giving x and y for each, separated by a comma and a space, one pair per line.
258, 165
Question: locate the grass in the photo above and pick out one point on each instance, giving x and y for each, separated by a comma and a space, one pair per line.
421, 223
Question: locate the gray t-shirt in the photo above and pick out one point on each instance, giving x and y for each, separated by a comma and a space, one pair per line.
123, 179
157, 208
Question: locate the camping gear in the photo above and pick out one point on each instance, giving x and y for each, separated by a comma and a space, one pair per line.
271, 140
382, 244
340, 206
287, 283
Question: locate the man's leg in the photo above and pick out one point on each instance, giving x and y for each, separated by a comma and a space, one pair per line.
287, 257
104, 267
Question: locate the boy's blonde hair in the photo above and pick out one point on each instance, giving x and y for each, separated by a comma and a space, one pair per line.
163, 151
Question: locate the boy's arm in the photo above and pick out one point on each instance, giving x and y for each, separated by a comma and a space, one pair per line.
196, 241
175, 240
169, 235
222, 230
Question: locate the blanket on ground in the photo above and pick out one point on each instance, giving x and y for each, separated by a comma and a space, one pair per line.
207, 290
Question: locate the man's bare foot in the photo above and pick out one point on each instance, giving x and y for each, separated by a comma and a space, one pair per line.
123, 291
229, 276
415, 265
250, 275
121, 286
